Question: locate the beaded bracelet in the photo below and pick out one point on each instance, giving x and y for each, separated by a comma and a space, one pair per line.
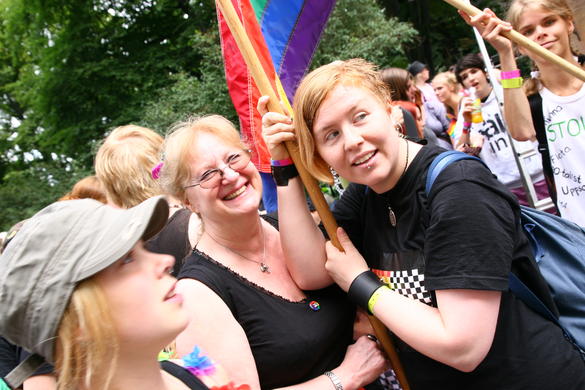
511, 74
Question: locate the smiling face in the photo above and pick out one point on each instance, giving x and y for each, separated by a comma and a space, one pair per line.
238, 191
355, 135
141, 297
547, 29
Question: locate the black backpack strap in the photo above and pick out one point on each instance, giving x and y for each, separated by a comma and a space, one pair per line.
539, 128
181, 373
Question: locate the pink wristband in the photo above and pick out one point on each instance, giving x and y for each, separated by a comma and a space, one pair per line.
281, 163
512, 74
466, 125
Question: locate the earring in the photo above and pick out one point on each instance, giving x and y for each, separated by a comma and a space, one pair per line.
398, 128
337, 186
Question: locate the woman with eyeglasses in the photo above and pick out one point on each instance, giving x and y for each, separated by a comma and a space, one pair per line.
246, 309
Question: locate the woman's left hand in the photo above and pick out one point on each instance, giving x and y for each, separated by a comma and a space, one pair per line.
345, 266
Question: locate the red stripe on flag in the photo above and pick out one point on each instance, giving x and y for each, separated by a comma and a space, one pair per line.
241, 86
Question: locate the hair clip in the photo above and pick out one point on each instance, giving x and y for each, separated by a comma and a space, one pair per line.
156, 170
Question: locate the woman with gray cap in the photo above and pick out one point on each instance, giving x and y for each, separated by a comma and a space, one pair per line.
78, 290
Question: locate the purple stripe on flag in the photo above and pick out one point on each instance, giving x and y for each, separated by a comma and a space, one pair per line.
302, 44
278, 22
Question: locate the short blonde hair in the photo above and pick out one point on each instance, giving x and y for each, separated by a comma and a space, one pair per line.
87, 347
88, 187
124, 164
175, 173
315, 88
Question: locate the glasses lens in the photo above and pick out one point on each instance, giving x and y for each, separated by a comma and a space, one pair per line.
235, 163
211, 180
239, 161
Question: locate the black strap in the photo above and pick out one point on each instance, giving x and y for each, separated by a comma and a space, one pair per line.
362, 287
540, 130
181, 373
24, 370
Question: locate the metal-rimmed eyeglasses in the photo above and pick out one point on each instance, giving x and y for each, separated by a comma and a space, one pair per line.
212, 177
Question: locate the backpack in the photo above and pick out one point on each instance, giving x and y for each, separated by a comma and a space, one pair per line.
559, 250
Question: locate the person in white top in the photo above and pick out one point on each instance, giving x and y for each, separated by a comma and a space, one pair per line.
497, 150
550, 24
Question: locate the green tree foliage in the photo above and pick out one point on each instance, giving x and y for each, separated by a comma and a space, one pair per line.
359, 28
186, 94
444, 37
70, 70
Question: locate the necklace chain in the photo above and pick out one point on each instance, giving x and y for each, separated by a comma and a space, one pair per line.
405, 162
263, 266
391, 214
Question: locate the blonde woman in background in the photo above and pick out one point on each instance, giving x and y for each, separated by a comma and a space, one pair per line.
127, 165
458, 108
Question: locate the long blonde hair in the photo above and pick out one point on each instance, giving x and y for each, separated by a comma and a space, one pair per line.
87, 347
514, 16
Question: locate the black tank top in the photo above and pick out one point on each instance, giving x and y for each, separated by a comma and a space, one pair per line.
291, 341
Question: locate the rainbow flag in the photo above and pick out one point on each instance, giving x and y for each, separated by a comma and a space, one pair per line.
284, 34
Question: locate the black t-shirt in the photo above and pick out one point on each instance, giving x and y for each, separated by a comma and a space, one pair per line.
465, 235
290, 341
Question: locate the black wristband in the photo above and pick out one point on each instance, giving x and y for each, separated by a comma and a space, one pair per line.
282, 174
362, 288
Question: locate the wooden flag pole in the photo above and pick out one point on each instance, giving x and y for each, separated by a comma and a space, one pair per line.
263, 83
526, 43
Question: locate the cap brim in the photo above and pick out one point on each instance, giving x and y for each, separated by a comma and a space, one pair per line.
140, 222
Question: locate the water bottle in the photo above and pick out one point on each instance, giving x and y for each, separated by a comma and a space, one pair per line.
476, 116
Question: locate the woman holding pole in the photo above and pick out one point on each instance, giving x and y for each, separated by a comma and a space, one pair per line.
551, 106
253, 318
445, 294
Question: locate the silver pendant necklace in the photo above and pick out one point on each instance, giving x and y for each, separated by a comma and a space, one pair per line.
263, 266
391, 214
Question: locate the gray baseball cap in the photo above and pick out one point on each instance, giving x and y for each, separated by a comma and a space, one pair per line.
60, 246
